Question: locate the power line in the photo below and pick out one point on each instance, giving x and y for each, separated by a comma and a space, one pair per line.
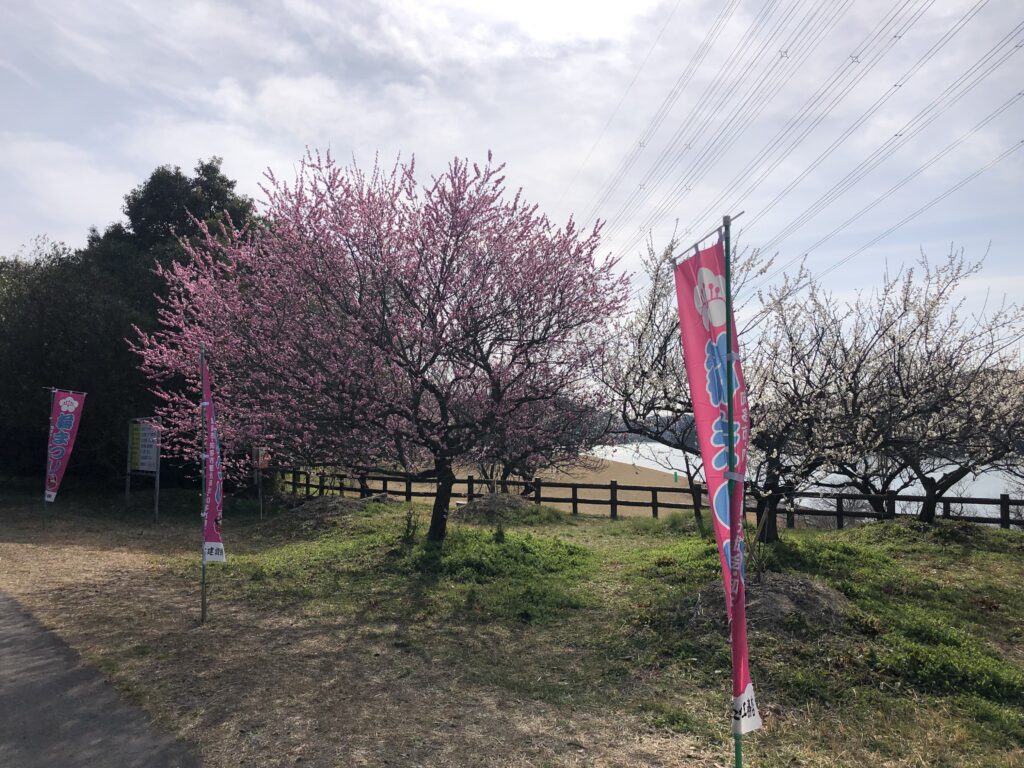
963, 85
696, 173
626, 164
710, 103
811, 104
618, 106
725, 69
931, 203
909, 217
915, 173
748, 110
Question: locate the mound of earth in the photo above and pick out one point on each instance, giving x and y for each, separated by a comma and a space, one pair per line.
495, 508
779, 603
307, 516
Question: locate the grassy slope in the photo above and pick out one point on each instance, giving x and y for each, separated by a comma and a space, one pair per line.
927, 669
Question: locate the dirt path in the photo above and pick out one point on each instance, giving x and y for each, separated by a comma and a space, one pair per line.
59, 711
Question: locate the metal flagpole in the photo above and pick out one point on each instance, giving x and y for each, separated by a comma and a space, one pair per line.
730, 440
696, 245
128, 466
156, 480
203, 405
49, 434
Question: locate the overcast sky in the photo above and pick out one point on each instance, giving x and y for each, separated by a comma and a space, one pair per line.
97, 94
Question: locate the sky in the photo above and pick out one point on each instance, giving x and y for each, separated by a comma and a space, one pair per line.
655, 116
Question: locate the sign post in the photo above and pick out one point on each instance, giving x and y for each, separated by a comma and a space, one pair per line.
144, 457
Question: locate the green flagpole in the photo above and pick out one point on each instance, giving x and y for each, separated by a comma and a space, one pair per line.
730, 440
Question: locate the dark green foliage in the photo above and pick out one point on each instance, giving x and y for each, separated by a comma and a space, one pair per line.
66, 316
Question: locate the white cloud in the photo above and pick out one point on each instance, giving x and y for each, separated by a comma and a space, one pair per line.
125, 85
55, 188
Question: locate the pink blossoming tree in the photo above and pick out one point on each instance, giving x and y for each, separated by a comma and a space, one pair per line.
370, 322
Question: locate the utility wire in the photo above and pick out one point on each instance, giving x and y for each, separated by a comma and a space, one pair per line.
618, 106
766, 168
975, 75
751, 107
724, 73
916, 172
629, 160
744, 115
709, 106
931, 203
909, 217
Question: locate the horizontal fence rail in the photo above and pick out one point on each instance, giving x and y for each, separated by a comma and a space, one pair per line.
301, 482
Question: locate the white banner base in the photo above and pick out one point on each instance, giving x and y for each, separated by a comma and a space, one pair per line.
745, 717
213, 552
50, 496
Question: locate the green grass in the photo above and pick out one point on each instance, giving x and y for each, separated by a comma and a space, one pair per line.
925, 669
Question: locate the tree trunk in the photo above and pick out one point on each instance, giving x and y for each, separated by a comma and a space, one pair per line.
927, 514
877, 504
442, 498
698, 516
759, 510
770, 531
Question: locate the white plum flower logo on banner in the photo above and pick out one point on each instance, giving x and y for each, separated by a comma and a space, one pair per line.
709, 298
68, 404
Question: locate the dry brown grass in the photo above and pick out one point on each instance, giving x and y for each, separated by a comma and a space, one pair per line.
271, 687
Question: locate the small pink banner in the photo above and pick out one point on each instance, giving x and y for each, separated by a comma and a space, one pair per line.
213, 502
700, 293
65, 413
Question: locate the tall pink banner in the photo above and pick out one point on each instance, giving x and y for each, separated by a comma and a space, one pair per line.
700, 293
213, 485
65, 413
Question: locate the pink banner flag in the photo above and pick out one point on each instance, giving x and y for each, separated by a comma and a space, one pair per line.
213, 484
65, 413
700, 293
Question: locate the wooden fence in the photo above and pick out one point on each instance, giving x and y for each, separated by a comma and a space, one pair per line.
302, 482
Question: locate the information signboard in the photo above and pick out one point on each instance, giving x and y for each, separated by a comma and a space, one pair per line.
144, 447
144, 457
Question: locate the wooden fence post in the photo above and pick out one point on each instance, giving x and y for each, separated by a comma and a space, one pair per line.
536, 490
791, 514
575, 499
309, 484
614, 493
295, 482
839, 512
384, 487
654, 502
408, 490
890, 505
469, 487
945, 508
1004, 510
695, 492
341, 486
